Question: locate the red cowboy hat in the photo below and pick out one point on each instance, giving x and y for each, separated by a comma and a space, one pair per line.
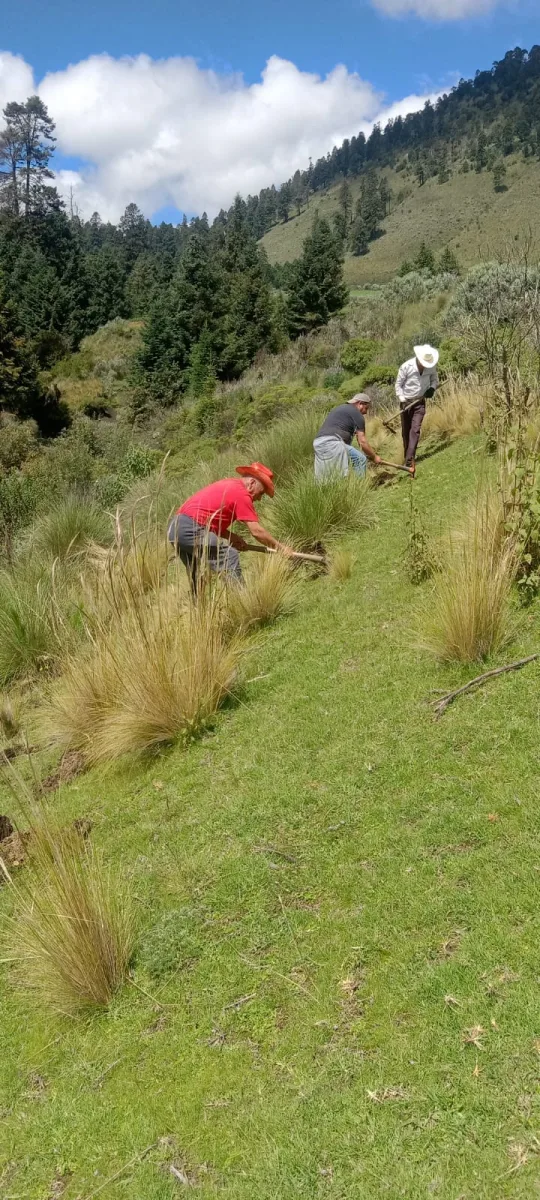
260, 472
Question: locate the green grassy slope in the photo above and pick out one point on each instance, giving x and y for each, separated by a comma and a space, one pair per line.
365, 877
465, 214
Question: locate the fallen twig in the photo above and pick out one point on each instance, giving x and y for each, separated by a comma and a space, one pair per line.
236, 1004
136, 1159
98, 1082
440, 706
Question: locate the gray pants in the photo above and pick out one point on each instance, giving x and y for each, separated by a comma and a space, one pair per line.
331, 457
199, 549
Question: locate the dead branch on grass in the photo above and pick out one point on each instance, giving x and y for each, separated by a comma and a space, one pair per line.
441, 705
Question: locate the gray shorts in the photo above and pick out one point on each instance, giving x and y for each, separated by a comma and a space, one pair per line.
199, 548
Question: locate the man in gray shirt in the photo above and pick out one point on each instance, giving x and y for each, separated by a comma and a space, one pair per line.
333, 444
417, 380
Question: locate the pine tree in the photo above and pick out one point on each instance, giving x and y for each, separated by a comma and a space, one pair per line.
201, 376
145, 279
425, 259
19, 387
21, 392
317, 289
345, 201
359, 240
247, 324
26, 145
107, 280
499, 176
192, 304
339, 223
385, 194
35, 288
448, 263
135, 233
420, 173
284, 202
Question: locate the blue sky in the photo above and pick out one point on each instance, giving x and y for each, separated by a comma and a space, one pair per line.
395, 55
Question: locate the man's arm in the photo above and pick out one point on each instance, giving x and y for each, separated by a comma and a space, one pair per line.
365, 446
262, 535
400, 383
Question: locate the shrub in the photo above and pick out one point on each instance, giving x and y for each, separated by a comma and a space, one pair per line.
310, 514
350, 387
156, 673
496, 311
171, 944
377, 373
333, 380
421, 560
467, 618
268, 592
357, 354
71, 934
18, 440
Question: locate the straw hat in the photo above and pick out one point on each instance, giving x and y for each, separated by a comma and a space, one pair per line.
427, 356
258, 471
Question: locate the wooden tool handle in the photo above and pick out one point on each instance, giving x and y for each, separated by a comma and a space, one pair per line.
319, 558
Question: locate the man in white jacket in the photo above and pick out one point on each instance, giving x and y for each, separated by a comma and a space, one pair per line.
417, 380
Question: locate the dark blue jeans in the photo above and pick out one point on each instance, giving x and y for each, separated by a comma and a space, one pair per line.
200, 549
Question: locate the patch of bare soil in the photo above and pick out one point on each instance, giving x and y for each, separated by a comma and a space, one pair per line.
72, 764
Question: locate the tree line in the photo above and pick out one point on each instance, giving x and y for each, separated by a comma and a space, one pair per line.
205, 290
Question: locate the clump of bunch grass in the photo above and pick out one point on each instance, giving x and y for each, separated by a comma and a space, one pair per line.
28, 621
159, 670
310, 514
71, 934
269, 591
457, 412
10, 724
341, 565
67, 530
288, 446
468, 616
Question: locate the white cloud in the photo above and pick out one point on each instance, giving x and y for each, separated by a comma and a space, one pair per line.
168, 132
437, 10
16, 78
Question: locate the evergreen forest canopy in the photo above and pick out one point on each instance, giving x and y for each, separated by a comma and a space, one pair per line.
205, 291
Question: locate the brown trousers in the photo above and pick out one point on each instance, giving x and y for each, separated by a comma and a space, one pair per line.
411, 424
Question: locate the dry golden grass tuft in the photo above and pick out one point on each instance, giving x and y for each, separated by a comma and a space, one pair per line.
270, 590
341, 565
467, 617
158, 670
459, 410
70, 936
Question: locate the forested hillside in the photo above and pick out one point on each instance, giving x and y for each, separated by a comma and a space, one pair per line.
459, 172
469, 215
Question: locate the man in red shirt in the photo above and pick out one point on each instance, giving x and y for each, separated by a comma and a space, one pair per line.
199, 525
